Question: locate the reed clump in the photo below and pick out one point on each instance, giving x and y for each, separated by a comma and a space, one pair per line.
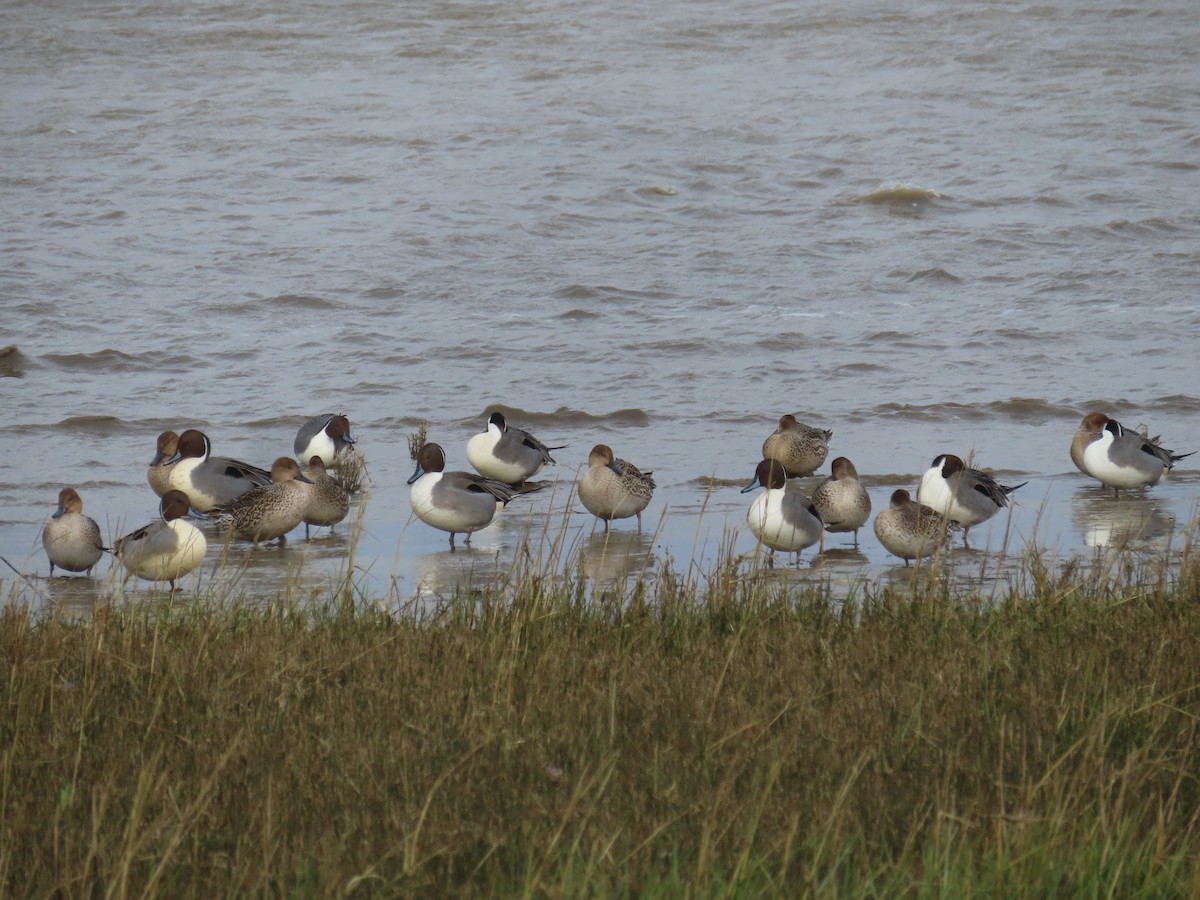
743, 737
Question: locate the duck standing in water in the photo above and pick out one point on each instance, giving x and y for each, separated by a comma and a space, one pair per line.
614, 488
210, 481
71, 539
326, 436
269, 511
457, 502
781, 519
503, 452
841, 500
963, 496
328, 502
167, 549
910, 530
798, 447
1117, 457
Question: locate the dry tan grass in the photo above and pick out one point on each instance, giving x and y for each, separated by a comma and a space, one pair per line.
669, 740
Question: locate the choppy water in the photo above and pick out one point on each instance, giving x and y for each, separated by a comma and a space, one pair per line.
930, 228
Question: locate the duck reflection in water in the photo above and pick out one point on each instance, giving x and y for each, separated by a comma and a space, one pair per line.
1103, 520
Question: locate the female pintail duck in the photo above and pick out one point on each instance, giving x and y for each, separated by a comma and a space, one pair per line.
268, 511
71, 539
781, 519
799, 447
457, 502
328, 502
506, 453
210, 481
159, 473
909, 529
963, 496
613, 488
841, 500
326, 436
1118, 457
166, 549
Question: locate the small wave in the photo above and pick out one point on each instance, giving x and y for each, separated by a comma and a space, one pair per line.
784, 342
898, 192
1146, 227
384, 293
1026, 410
858, 367
13, 362
659, 190
673, 348
1177, 165
935, 274
576, 292
304, 301
631, 417
1015, 334
893, 339
110, 360
577, 315
90, 425
293, 421
119, 113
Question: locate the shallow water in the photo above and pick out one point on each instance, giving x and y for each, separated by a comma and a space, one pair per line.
659, 226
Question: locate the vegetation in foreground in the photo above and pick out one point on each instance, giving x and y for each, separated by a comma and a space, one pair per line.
737, 739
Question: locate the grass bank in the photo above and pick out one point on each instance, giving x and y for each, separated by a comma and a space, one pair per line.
736, 738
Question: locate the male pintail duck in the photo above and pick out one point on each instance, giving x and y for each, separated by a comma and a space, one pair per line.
799, 447
909, 529
781, 519
457, 502
268, 511
159, 472
1118, 457
166, 549
326, 436
841, 500
613, 488
963, 496
71, 539
506, 453
328, 502
210, 481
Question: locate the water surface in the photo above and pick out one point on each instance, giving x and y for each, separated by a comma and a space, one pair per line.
932, 229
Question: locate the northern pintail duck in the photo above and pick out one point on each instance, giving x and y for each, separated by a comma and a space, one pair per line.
210, 481
506, 453
457, 502
268, 511
841, 500
166, 549
328, 502
1118, 457
159, 472
781, 519
799, 447
909, 529
326, 436
614, 488
964, 496
72, 540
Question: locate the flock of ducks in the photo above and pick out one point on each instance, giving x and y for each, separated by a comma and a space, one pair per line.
253, 504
